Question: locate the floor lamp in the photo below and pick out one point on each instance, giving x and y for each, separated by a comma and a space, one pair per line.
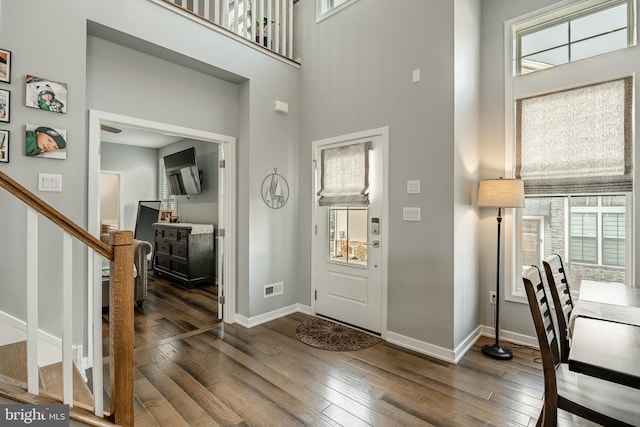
500, 193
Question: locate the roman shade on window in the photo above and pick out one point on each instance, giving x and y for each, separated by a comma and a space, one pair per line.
344, 175
576, 141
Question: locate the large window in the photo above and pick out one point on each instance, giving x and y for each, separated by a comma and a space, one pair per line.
579, 31
569, 135
574, 152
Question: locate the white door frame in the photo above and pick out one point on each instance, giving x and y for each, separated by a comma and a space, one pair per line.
383, 134
226, 207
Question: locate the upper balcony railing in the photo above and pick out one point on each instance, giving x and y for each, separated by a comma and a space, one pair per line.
268, 23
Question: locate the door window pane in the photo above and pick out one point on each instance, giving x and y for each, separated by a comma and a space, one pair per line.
348, 235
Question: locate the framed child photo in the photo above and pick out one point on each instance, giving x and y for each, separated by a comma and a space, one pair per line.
5, 97
5, 66
46, 94
166, 214
4, 146
45, 142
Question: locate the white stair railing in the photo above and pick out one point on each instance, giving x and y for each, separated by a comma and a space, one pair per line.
268, 23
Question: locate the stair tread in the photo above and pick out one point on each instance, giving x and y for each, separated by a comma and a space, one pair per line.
14, 360
14, 365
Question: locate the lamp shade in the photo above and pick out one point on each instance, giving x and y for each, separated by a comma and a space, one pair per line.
501, 193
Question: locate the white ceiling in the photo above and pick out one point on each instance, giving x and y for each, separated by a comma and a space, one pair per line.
139, 138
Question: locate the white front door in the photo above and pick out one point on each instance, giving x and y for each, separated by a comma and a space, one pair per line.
348, 257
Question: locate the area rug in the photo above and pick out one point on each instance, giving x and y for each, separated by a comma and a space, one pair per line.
326, 335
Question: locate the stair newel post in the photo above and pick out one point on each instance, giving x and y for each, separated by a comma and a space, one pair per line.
121, 332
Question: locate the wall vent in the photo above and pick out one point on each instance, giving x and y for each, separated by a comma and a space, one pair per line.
273, 289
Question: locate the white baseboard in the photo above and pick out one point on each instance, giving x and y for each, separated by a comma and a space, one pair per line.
49, 346
445, 354
512, 337
250, 322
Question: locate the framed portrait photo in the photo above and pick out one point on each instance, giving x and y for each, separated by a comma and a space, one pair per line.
166, 214
46, 94
5, 98
4, 146
45, 142
5, 66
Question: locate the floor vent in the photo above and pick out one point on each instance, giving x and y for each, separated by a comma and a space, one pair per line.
273, 289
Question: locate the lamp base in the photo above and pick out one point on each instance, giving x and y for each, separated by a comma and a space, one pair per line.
497, 352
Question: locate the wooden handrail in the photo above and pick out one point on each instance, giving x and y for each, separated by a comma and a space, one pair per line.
55, 216
120, 252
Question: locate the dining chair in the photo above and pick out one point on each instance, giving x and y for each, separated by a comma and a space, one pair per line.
600, 401
561, 295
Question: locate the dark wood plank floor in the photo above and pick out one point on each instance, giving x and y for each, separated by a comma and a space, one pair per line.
192, 370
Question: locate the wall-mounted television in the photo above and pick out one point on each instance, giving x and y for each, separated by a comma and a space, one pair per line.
183, 175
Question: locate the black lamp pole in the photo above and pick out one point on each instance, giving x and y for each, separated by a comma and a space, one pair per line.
496, 350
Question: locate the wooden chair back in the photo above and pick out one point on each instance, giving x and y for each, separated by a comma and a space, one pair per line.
542, 319
561, 295
603, 402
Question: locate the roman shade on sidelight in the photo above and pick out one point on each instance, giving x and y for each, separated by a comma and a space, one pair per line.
576, 141
344, 175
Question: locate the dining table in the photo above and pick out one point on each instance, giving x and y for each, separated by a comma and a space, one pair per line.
604, 329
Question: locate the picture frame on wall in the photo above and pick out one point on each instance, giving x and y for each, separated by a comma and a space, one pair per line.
5, 66
46, 94
166, 214
5, 103
45, 142
4, 146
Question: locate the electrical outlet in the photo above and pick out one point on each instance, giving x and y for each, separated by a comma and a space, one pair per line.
492, 297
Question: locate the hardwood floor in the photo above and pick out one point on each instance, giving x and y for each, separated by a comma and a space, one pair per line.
194, 371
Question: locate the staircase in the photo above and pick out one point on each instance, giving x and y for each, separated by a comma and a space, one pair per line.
13, 382
13, 364
22, 379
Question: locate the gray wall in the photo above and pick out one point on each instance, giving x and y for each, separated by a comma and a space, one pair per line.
100, 74
138, 178
357, 75
514, 317
199, 208
466, 167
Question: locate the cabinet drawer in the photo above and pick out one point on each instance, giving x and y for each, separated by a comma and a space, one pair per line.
179, 251
163, 262
170, 234
180, 268
182, 236
162, 247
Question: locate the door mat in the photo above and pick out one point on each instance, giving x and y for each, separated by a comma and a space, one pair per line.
326, 335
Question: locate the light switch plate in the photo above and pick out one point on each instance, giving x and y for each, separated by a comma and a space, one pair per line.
50, 182
411, 214
416, 75
413, 186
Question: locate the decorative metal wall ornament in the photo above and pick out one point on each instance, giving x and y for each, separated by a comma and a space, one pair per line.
275, 190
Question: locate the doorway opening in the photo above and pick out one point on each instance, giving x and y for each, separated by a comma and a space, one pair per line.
226, 241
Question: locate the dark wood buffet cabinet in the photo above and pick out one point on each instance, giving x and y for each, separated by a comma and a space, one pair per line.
184, 253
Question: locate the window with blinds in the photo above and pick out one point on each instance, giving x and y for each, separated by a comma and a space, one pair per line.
574, 153
577, 140
168, 201
344, 175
